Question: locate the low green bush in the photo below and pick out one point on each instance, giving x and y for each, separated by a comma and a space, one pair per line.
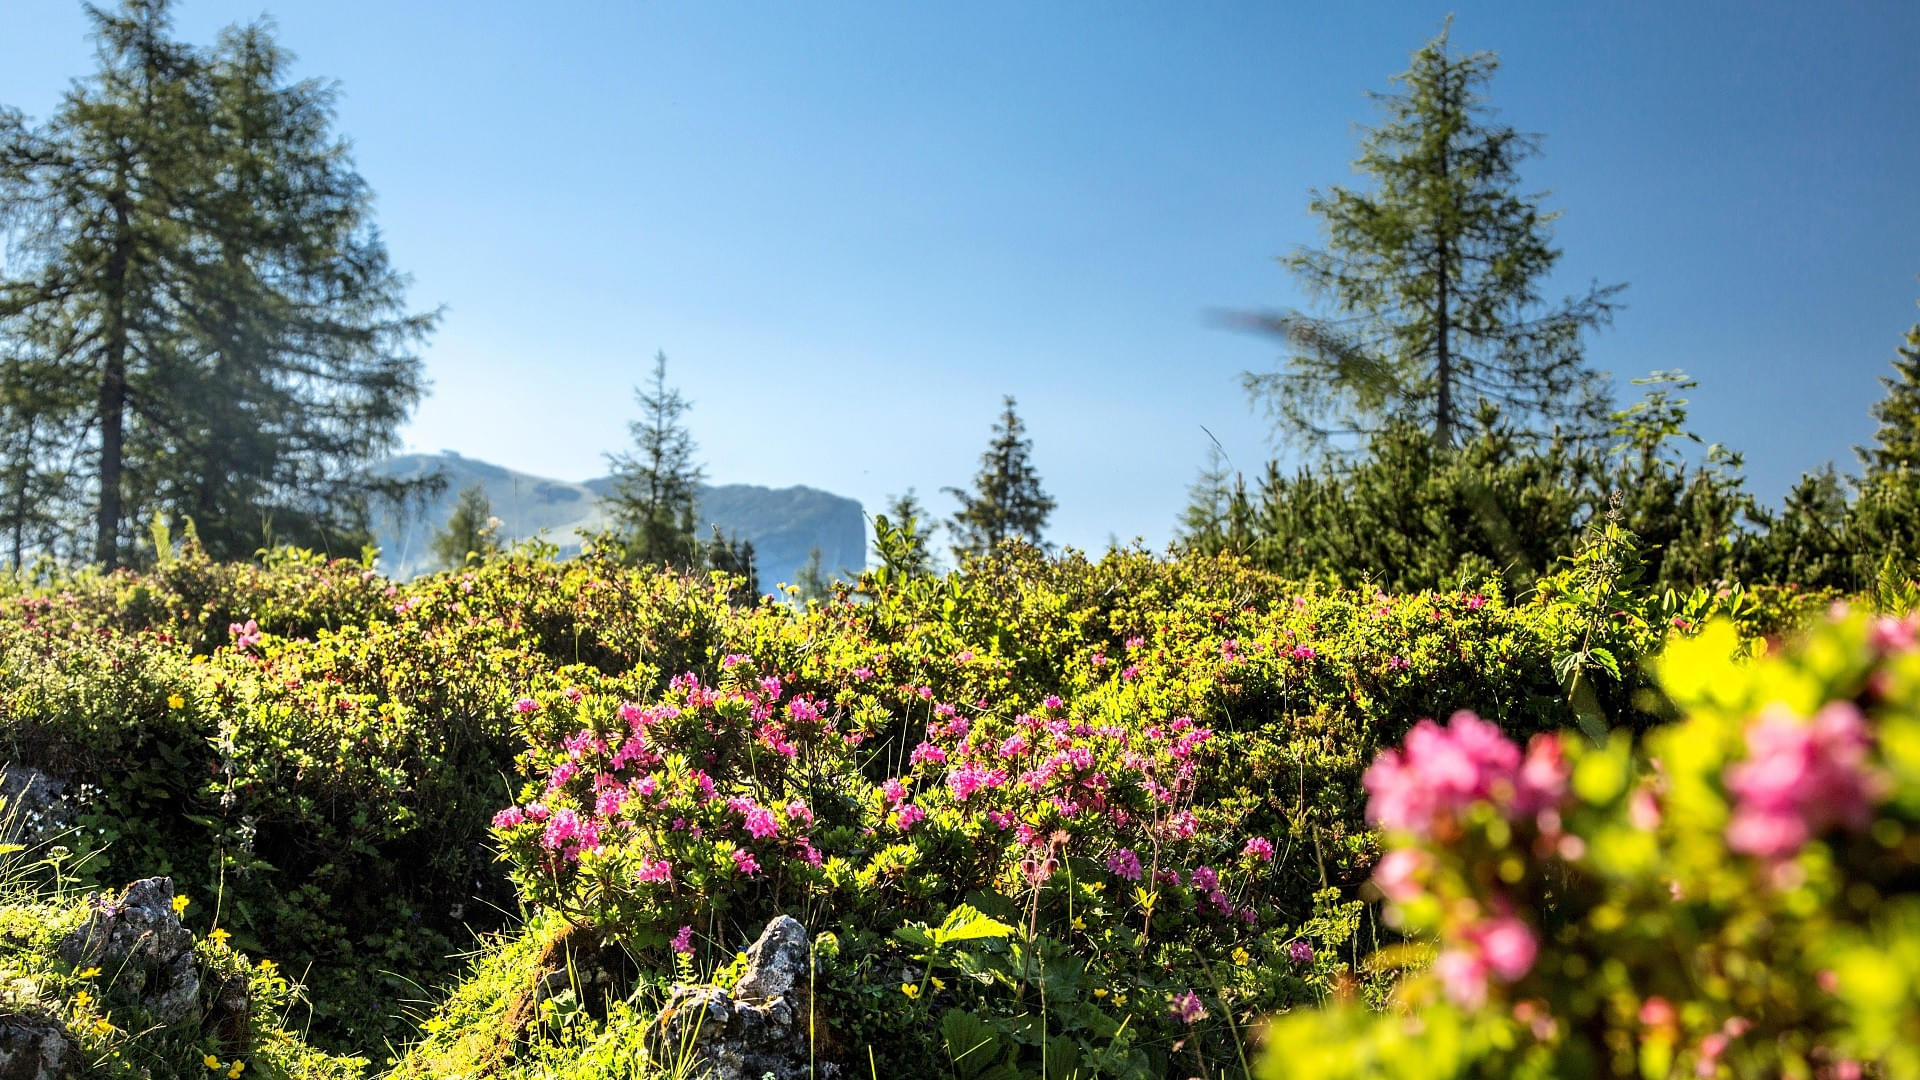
319, 753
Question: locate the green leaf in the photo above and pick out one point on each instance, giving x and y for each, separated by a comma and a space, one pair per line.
1605, 657
972, 1045
916, 936
966, 923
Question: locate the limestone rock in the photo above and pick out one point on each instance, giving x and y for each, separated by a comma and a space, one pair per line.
33, 805
761, 1027
139, 938
36, 1048
777, 962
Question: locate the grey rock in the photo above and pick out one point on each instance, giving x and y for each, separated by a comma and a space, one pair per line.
762, 1027
776, 962
33, 805
36, 1048
140, 946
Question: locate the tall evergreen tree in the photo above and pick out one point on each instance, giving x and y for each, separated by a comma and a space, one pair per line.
1897, 441
1433, 278
471, 530
194, 242
656, 485
1006, 500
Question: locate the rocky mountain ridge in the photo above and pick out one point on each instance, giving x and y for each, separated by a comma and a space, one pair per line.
784, 524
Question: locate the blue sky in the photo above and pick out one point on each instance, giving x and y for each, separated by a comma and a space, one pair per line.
852, 227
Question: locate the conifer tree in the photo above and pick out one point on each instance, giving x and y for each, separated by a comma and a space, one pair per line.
1006, 501
656, 485
734, 556
1219, 515
192, 240
1433, 278
810, 581
471, 530
1897, 441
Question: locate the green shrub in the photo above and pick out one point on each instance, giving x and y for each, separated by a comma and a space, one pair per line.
1733, 895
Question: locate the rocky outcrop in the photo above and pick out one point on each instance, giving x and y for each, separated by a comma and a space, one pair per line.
139, 941
762, 1027
36, 1048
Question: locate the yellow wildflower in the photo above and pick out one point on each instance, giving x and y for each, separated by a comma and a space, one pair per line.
90, 973
101, 1027
180, 904
82, 999
267, 967
218, 936
1241, 957
937, 984
212, 1062
1100, 991
1079, 923
238, 1068
912, 990
175, 701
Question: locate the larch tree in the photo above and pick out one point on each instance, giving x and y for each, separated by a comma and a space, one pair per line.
190, 240
1431, 280
1006, 501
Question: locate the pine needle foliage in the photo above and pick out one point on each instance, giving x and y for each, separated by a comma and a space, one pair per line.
1431, 279
199, 316
1007, 501
656, 485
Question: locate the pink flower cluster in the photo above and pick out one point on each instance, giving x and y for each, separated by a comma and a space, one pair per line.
245, 635
1187, 1008
1502, 947
1444, 770
1801, 778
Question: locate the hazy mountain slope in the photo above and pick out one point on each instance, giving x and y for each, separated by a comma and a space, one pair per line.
783, 523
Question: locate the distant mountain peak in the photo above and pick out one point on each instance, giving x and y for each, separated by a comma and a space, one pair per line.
784, 524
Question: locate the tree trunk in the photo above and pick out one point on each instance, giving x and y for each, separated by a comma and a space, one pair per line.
1443, 357
113, 391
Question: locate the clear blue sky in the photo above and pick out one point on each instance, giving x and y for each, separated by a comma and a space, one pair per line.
853, 227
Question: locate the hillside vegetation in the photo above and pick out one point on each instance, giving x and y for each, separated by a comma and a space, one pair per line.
1101, 817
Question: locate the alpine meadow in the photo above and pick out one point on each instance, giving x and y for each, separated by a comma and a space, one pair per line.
1491, 716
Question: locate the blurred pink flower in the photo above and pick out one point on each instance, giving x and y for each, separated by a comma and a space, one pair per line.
1396, 872
1800, 778
1463, 974
1443, 770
